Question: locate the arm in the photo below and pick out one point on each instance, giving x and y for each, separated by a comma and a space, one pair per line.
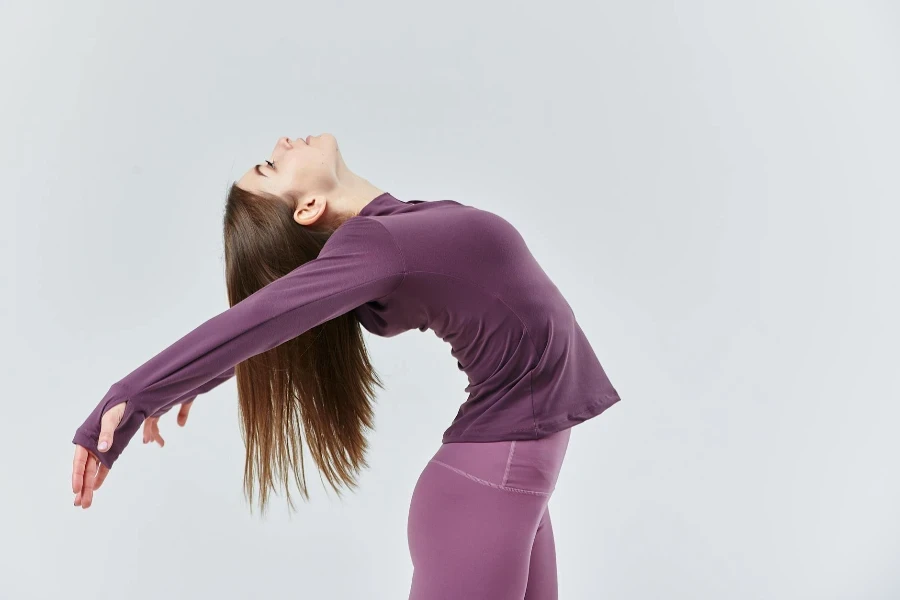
359, 263
206, 387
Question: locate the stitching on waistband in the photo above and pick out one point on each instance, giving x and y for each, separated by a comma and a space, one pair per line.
488, 483
512, 449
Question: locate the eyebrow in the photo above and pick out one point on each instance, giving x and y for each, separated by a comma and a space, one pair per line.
256, 167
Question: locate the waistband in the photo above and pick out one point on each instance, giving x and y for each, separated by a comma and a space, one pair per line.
531, 466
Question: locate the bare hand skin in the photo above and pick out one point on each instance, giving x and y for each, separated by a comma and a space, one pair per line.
151, 425
88, 473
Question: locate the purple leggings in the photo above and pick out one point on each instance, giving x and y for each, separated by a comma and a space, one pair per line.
479, 522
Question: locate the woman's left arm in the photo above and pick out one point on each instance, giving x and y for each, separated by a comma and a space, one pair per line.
359, 263
189, 397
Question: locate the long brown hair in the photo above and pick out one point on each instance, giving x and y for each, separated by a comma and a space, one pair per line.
320, 383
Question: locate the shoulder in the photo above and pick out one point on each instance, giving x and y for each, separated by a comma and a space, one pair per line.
364, 237
359, 231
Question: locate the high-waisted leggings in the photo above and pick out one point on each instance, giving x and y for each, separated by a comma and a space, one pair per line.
479, 521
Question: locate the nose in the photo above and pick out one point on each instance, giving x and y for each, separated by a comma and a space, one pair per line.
283, 144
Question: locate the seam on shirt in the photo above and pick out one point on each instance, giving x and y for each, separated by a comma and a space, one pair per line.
540, 357
153, 387
502, 364
133, 405
399, 252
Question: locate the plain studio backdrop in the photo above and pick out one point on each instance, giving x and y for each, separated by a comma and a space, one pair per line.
712, 185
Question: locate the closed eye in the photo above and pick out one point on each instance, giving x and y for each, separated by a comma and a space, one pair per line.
258, 169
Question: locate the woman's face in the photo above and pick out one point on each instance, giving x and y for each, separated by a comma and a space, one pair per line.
300, 169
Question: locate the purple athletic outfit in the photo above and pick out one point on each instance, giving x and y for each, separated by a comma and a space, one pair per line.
467, 275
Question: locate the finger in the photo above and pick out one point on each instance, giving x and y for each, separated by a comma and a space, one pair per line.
157, 436
148, 429
87, 492
183, 413
102, 471
78, 468
108, 423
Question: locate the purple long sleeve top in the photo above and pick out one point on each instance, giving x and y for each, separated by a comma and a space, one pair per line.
462, 272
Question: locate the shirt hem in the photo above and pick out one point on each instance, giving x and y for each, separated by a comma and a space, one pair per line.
588, 411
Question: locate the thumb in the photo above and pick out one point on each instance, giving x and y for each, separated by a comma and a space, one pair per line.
108, 424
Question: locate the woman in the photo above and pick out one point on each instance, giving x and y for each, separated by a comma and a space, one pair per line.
314, 251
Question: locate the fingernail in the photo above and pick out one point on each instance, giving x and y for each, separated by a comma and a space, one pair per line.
102, 445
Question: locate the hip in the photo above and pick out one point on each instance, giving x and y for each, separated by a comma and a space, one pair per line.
523, 466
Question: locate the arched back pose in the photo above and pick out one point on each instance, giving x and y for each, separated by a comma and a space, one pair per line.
314, 251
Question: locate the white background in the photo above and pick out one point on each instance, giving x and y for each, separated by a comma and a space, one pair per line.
712, 185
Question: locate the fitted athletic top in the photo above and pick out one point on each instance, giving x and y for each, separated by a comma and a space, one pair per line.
462, 272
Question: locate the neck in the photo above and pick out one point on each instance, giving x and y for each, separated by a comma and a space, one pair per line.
353, 192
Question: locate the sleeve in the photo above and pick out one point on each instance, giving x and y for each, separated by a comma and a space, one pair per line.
206, 387
359, 263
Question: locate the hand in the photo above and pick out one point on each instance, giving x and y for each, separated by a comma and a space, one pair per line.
86, 476
151, 425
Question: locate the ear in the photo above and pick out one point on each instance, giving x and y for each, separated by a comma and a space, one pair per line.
310, 209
